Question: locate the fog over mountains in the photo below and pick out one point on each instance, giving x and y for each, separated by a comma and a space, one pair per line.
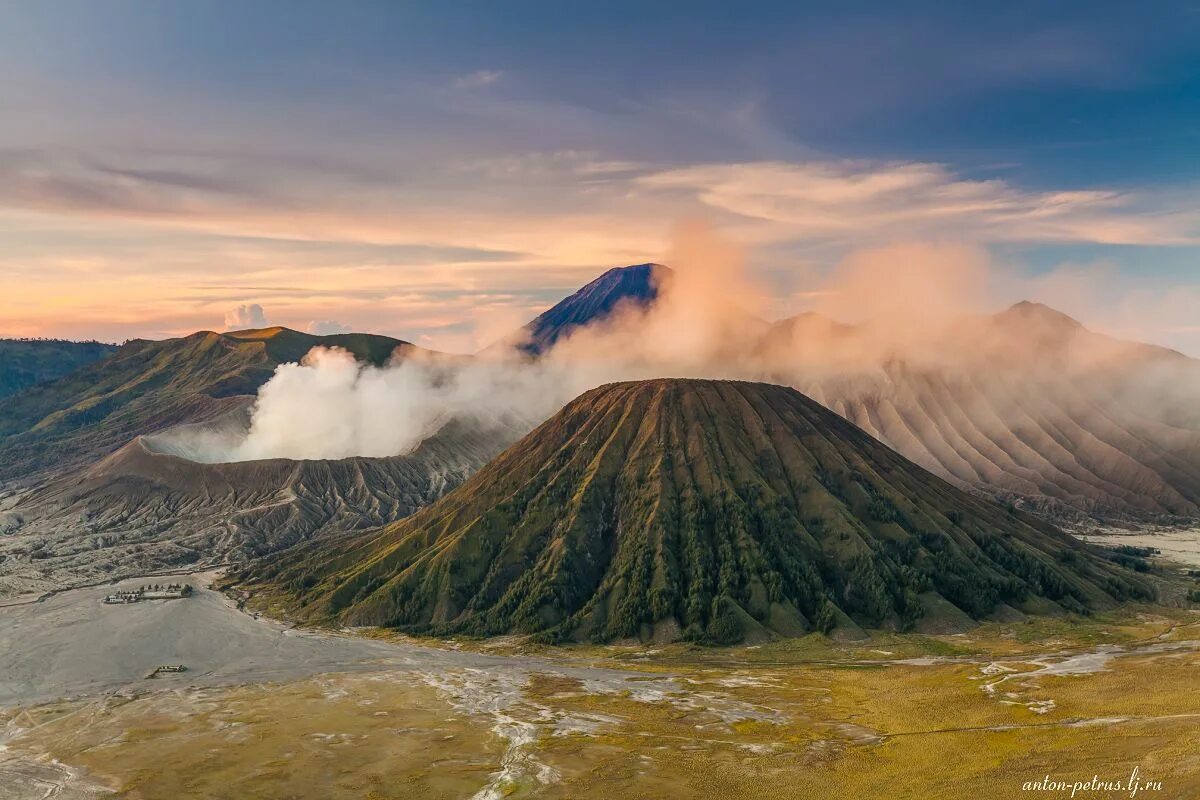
1026, 404
217, 446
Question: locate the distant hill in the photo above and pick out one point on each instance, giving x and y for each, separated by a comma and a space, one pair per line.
1027, 405
635, 286
709, 510
1017, 404
26, 362
146, 386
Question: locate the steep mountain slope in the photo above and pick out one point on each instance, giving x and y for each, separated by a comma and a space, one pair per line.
25, 362
636, 285
147, 507
709, 509
1027, 405
104, 478
147, 386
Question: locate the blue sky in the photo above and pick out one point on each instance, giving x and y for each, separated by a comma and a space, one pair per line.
441, 171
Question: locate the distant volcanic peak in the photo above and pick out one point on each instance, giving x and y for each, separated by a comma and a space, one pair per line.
634, 272
636, 279
708, 510
810, 323
1055, 336
638, 284
1045, 317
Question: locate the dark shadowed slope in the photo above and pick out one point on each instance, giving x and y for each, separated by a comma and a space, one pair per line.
26, 362
147, 386
634, 286
710, 510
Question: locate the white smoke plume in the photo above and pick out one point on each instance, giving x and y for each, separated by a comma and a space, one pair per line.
331, 406
917, 303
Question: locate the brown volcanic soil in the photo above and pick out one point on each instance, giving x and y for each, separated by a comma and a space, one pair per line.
712, 510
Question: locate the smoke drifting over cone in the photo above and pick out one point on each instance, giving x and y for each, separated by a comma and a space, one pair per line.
895, 338
330, 406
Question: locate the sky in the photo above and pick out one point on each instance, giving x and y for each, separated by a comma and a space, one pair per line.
443, 171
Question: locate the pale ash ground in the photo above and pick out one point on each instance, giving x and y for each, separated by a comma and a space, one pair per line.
73, 644
1181, 545
266, 712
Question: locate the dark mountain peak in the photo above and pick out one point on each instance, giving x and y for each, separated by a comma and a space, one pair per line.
640, 273
637, 285
708, 510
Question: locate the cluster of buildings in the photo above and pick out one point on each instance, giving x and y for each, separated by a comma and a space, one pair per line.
161, 668
170, 591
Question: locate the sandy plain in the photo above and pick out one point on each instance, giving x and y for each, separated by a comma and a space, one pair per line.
268, 711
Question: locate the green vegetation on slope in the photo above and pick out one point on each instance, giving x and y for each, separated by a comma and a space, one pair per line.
708, 510
149, 385
26, 362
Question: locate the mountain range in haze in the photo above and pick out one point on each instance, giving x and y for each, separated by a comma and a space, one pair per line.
99, 471
1026, 404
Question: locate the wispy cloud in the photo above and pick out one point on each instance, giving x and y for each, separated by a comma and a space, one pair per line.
413, 248
867, 201
478, 79
327, 327
575, 207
